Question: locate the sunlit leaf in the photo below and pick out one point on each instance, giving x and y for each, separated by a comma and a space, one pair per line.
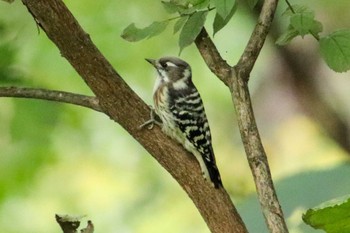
332, 216
132, 33
224, 7
219, 22
192, 28
335, 49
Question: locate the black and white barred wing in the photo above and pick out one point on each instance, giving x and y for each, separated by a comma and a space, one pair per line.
192, 121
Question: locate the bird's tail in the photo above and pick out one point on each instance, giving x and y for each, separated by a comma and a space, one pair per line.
214, 174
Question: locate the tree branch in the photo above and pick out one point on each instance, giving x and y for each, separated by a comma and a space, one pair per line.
122, 105
212, 57
237, 81
257, 39
51, 95
246, 121
256, 155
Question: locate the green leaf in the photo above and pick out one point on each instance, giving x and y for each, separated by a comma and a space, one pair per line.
332, 216
132, 33
287, 36
302, 19
224, 7
335, 50
305, 23
316, 28
200, 4
219, 22
156, 28
192, 28
180, 23
252, 3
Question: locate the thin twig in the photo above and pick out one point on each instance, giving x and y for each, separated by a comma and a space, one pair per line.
290, 6
51, 95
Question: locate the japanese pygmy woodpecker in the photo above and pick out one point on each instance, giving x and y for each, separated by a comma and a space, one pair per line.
180, 108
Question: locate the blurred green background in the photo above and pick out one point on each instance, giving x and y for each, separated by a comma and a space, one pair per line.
58, 158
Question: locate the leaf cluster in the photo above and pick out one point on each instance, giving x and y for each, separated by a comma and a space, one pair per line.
334, 47
191, 16
190, 19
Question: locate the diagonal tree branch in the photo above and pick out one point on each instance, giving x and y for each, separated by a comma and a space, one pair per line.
51, 95
212, 57
121, 104
237, 81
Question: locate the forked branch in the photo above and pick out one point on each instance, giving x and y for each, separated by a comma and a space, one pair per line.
236, 78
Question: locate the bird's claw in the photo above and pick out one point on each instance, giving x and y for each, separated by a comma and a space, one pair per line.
152, 121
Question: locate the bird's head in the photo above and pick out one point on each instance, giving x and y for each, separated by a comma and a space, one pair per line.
172, 69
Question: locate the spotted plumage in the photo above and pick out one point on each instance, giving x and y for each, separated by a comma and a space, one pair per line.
179, 106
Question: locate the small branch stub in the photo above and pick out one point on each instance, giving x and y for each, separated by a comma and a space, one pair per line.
70, 224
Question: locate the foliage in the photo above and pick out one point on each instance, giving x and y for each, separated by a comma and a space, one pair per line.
132, 33
192, 14
189, 22
192, 28
334, 47
332, 216
302, 22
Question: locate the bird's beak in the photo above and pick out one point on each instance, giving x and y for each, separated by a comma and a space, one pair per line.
151, 61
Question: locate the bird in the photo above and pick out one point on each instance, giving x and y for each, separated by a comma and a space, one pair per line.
179, 109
